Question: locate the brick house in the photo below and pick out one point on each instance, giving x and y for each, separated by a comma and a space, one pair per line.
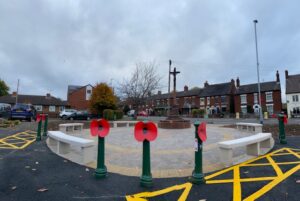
246, 97
79, 96
292, 94
43, 104
215, 98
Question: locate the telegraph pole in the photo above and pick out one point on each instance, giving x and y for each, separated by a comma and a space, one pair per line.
17, 91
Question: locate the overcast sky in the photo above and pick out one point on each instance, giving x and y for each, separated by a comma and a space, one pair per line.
51, 44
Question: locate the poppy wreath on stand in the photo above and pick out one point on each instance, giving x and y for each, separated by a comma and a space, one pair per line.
145, 131
99, 128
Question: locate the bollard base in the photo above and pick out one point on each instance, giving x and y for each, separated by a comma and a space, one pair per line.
100, 173
197, 178
45, 134
283, 141
146, 181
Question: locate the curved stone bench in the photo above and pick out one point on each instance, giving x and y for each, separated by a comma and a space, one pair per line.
249, 127
71, 128
256, 145
63, 142
115, 124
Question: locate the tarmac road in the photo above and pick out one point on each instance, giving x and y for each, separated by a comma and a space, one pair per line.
35, 173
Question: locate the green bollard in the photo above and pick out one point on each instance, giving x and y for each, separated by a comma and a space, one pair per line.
45, 125
197, 175
38, 134
146, 178
282, 138
101, 170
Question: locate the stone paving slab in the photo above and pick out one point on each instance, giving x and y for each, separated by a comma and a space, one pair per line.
172, 153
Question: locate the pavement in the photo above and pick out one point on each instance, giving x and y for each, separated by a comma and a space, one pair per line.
36, 173
172, 153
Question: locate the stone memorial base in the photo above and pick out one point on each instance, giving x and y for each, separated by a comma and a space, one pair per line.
174, 122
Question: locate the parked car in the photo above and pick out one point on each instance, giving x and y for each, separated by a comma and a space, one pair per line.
65, 114
143, 113
79, 115
131, 113
5, 110
23, 111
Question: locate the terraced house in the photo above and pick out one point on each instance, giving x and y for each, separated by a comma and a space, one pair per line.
43, 104
222, 98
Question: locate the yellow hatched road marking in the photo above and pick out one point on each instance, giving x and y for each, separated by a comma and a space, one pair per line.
142, 196
9, 142
237, 194
275, 166
272, 184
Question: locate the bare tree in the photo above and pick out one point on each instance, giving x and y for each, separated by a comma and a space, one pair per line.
143, 82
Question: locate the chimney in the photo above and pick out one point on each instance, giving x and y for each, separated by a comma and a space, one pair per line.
159, 92
14, 94
277, 77
237, 82
286, 74
232, 81
48, 95
186, 88
206, 84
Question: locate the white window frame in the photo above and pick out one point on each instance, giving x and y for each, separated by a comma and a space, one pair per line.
208, 101
223, 99
244, 109
269, 97
270, 111
243, 98
255, 98
39, 108
295, 98
52, 108
61, 108
202, 101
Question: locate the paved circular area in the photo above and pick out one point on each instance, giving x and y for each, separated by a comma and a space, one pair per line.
172, 153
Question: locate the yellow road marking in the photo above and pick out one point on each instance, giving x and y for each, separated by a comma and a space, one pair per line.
275, 166
271, 185
237, 193
141, 196
23, 139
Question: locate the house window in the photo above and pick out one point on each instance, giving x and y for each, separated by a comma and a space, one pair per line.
223, 99
270, 108
295, 98
89, 91
208, 100
157, 102
38, 108
244, 99
255, 98
269, 97
244, 109
177, 100
202, 101
51, 108
61, 108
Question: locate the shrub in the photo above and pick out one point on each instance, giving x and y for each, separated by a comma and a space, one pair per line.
108, 114
119, 114
198, 112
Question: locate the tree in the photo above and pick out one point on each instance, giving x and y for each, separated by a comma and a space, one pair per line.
143, 82
3, 88
102, 98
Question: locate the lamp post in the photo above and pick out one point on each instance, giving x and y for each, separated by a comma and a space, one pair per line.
258, 80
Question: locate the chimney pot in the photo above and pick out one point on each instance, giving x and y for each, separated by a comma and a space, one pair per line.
286, 74
206, 84
159, 92
277, 77
186, 88
237, 82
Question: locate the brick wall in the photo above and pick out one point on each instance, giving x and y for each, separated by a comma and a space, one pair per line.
77, 99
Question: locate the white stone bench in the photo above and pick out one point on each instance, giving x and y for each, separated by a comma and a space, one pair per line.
71, 128
249, 127
256, 145
63, 142
116, 124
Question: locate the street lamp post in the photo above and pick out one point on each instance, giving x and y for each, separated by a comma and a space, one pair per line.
258, 80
